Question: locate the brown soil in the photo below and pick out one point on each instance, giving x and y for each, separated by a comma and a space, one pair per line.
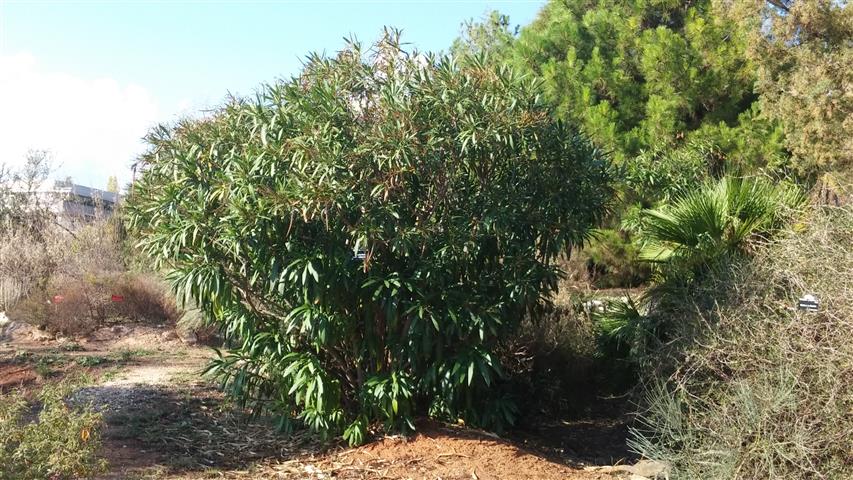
450, 454
15, 376
164, 422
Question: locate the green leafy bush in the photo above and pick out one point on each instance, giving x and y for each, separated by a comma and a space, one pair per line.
61, 443
626, 330
662, 174
364, 233
718, 219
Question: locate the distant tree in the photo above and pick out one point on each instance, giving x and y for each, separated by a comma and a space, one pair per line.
491, 36
26, 233
803, 50
112, 184
650, 75
20, 207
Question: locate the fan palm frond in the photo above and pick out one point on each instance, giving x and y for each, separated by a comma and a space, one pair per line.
718, 218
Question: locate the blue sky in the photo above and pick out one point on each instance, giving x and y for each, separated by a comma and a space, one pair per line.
86, 79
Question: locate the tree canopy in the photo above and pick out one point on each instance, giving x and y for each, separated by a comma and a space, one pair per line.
765, 82
645, 75
803, 51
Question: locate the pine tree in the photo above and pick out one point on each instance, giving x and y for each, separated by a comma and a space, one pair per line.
650, 75
803, 51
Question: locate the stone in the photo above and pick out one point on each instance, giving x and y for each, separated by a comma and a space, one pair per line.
12, 331
189, 338
169, 335
651, 469
41, 336
642, 470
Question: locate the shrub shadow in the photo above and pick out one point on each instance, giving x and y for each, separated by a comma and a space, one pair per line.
187, 429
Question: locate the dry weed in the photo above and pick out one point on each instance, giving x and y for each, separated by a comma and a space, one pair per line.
766, 391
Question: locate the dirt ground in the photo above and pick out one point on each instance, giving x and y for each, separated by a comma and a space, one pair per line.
163, 421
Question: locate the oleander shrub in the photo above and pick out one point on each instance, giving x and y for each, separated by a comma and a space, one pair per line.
365, 232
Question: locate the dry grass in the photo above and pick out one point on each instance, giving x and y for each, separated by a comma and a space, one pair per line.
72, 281
766, 390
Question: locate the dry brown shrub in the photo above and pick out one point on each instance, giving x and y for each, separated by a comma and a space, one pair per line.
26, 263
146, 298
193, 322
89, 303
766, 390
74, 279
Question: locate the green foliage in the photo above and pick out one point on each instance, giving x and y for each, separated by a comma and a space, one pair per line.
91, 360
62, 443
803, 52
71, 347
625, 331
642, 76
366, 232
613, 260
491, 37
716, 220
754, 143
662, 174
699, 233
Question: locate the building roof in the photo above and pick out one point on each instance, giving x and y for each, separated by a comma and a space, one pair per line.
69, 188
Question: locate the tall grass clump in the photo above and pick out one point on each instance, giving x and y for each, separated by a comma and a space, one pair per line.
762, 389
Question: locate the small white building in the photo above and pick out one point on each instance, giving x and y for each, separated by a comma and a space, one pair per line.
70, 201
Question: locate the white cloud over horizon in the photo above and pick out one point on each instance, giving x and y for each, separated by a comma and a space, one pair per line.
92, 127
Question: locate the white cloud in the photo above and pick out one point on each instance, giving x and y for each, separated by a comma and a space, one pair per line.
93, 127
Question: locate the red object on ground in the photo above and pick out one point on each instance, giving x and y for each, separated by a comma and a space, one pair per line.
117, 298
58, 298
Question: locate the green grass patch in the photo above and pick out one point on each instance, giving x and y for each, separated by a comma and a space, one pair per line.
91, 360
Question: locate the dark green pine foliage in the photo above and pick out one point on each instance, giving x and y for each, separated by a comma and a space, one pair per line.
366, 232
651, 75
